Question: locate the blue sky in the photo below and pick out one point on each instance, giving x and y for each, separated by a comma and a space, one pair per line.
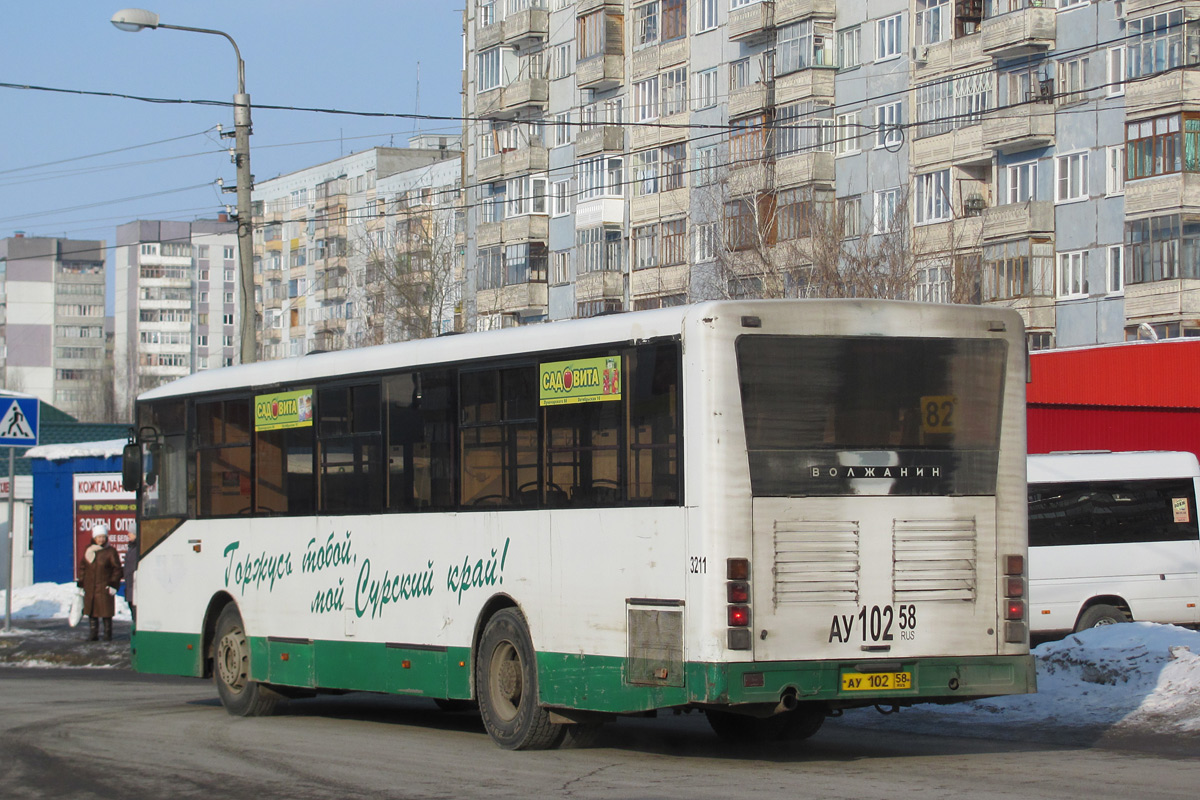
357, 55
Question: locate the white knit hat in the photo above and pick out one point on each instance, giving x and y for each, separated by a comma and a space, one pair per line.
100, 529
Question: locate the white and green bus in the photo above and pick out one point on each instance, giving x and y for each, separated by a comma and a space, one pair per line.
769, 511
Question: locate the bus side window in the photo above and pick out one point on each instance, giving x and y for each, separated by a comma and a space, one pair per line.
499, 434
283, 470
223, 458
654, 425
420, 420
350, 444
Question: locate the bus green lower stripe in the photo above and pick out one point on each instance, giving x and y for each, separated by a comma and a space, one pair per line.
571, 680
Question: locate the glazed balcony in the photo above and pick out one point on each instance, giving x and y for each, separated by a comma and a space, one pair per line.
1018, 220
1178, 90
534, 158
752, 99
792, 10
1163, 194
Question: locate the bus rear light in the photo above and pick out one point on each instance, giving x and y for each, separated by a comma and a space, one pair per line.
739, 616
1015, 588
1014, 565
737, 592
1015, 632
737, 569
1015, 610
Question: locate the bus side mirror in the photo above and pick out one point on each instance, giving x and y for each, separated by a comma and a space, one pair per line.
131, 467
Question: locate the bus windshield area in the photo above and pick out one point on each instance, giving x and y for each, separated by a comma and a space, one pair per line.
871, 415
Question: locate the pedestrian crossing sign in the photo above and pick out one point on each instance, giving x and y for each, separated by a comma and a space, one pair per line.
19, 425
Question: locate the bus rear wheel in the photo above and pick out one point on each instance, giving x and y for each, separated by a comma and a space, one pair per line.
240, 695
1099, 615
506, 685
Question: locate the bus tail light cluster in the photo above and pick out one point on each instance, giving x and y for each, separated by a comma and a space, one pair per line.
737, 595
1015, 628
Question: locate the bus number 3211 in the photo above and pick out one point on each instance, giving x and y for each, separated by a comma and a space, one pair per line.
875, 624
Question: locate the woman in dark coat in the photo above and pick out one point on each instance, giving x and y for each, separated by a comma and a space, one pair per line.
99, 577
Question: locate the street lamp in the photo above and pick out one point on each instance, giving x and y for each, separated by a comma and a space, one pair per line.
134, 20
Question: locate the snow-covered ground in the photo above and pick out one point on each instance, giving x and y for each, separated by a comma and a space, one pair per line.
51, 601
1133, 678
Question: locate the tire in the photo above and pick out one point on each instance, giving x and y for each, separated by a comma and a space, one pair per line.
1099, 615
241, 696
788, 726
581, 735
506, 686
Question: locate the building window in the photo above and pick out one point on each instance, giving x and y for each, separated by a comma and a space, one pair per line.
526, 195
797, 210
562, 64
674, 242
1160, 42
601, 177
227, 319
887, 38
230, 254
645, 24
645, 173
674, 98
847, 134
645, 246
1022, 182
708, 16
599, 32
750, 222
1021, 268
706, 241
944, 105
1072, 275
706, 165
851, 212
1071, 177
803, 127
1162, 145
562, 129
1114, 173
934, 282
849, 47
562, 198
888, 122
598, 249
748, 139
487, 72
674, 20
1072, 80
933, 197
804, 44
1162, 248
933, 21
525, 263
645, 100
1115, 274
706, 88
887, 202
1116, 72
560, 267
202, 340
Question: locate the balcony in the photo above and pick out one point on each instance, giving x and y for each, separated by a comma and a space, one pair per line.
600, 72
1162, 300
752, 23
961, 147
810, 166
529, 94
532, 227
1023, 127
333, 325
671, 279
512, 299
1171, 91
601, 139
599, 285
489, 36
1163, 194
804, 84
752, 99
664, 130
1020, 33
792, 10
527, 25
660, 204
1018, 220
522, 161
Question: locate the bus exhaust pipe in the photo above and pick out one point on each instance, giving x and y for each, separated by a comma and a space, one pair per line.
787, 702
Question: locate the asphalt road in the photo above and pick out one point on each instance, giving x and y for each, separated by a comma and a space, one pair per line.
110, 733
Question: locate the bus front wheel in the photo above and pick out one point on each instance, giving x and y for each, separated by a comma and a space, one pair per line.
1100, 614
240, 695
506, 685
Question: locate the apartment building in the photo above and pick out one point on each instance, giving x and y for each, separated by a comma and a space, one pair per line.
315, 233
52, 323
174, 303
1037, 154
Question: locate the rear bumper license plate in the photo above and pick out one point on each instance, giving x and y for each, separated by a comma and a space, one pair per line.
868, 681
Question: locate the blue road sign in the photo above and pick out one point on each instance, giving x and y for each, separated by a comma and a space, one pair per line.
19, 423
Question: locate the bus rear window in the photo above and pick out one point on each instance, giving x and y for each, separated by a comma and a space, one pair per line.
871, 415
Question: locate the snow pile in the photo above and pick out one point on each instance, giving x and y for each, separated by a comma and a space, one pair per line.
51, 601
